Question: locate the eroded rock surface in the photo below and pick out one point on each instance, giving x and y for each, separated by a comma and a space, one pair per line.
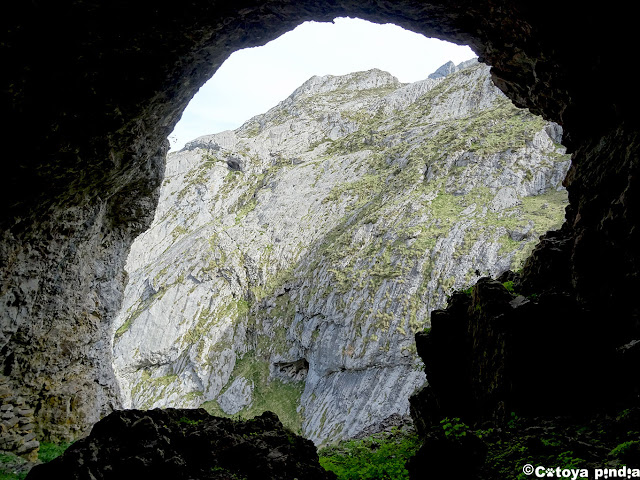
60, 292
292, 260
91, 90
186, 444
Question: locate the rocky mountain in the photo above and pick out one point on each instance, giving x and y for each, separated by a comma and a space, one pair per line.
450, 67
291, 261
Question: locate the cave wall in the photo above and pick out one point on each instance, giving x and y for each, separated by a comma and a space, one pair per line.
92, 89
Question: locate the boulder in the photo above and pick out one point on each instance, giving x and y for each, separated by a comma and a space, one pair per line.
186, 444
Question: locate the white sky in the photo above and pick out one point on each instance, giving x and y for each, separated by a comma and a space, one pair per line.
253, 80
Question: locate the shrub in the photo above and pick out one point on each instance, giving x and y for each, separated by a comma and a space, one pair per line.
378, 457
454, 427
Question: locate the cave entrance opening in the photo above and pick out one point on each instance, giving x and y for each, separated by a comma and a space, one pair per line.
540, 62
253, 80
293, 258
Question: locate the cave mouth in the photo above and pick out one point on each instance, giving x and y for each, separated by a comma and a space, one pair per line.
120, 86
155, 379
253, 80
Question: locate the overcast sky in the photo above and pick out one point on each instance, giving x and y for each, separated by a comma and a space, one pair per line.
253, 80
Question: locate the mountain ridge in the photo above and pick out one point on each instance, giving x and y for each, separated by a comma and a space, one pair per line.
328, 83
291, 261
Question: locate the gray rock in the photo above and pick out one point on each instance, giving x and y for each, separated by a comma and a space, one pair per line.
505, 198
444, 70
236, 397
360, 204
450, 67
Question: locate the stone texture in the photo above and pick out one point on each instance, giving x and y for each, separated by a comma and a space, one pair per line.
91, 90
71, 280
478, 358
16, 424
450, 67
236, 397
186, 444
311, 242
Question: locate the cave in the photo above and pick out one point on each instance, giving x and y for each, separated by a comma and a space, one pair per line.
91, 90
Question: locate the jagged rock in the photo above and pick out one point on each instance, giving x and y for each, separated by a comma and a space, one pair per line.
505, 198
476, 345
313, 250
444, 70
236, 397
389, 424
450, 67
91, 108
186, 444
16, 424
547, 269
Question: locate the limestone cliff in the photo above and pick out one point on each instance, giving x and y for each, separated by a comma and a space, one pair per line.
292, 260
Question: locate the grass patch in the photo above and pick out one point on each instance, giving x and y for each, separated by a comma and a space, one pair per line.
268, 395
380, 456
48, 451
11, 467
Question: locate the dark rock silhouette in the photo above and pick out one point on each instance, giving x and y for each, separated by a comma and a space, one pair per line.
186, 444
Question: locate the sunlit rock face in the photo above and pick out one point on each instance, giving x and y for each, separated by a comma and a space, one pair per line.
291, 261
90, 92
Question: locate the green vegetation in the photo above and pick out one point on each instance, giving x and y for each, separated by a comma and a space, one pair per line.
126, 325
378, 457
188, 421
510, 450
153, 388
178, 231
13, 467
622, 450
578, 442
392, 198
48, 451
200, 175
10, 475
252, 130
509, 286
407, 184
245, 210
268, 395
454, 427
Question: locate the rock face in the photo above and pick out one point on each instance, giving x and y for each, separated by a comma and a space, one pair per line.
291, 261
186, 444
91, 90
475, 345
17, 423
60, 293
450, 67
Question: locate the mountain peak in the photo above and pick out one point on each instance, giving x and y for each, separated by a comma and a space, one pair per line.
365, 80
450, 67
282, 253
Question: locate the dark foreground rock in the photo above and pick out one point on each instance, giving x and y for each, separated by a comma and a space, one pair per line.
522, 365
186, 444
578, 443
495, 351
